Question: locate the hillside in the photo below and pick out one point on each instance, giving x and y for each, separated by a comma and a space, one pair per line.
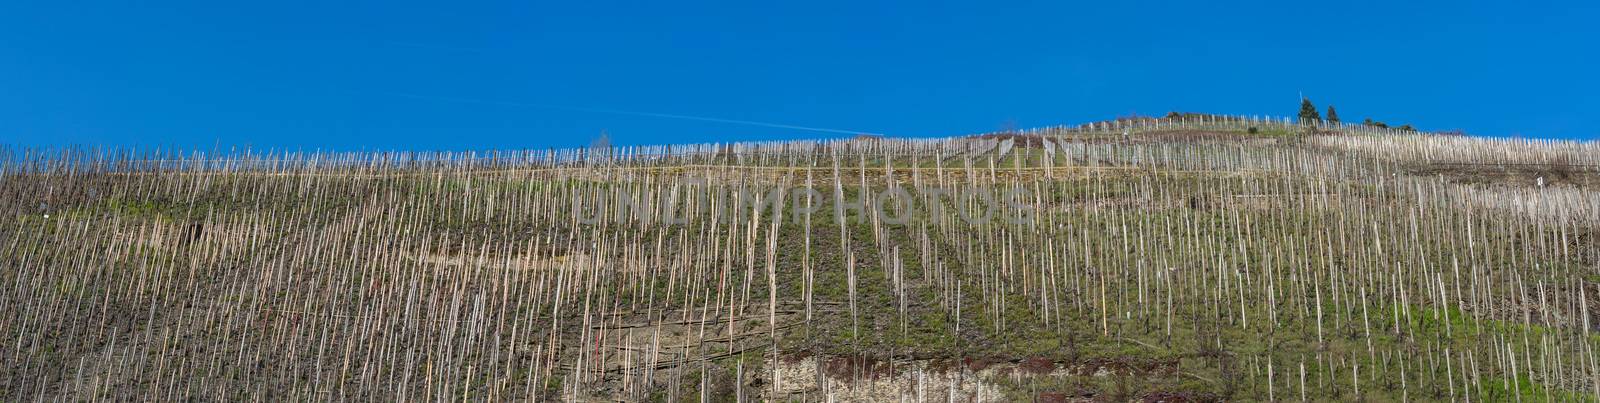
1201, 258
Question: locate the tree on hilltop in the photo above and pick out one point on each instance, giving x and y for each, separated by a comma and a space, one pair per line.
1332, 116
1308, 112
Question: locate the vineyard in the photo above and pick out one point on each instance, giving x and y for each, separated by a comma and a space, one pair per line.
1200, 258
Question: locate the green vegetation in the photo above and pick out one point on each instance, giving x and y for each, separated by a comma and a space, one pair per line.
1308, 112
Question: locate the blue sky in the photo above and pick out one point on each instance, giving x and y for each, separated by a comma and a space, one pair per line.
384, 75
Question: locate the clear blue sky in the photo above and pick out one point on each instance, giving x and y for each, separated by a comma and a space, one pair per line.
446, 75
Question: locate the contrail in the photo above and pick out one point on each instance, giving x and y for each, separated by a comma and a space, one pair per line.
622, 112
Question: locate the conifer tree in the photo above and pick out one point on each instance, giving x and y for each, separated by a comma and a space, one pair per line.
1308, 112
1332, 115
